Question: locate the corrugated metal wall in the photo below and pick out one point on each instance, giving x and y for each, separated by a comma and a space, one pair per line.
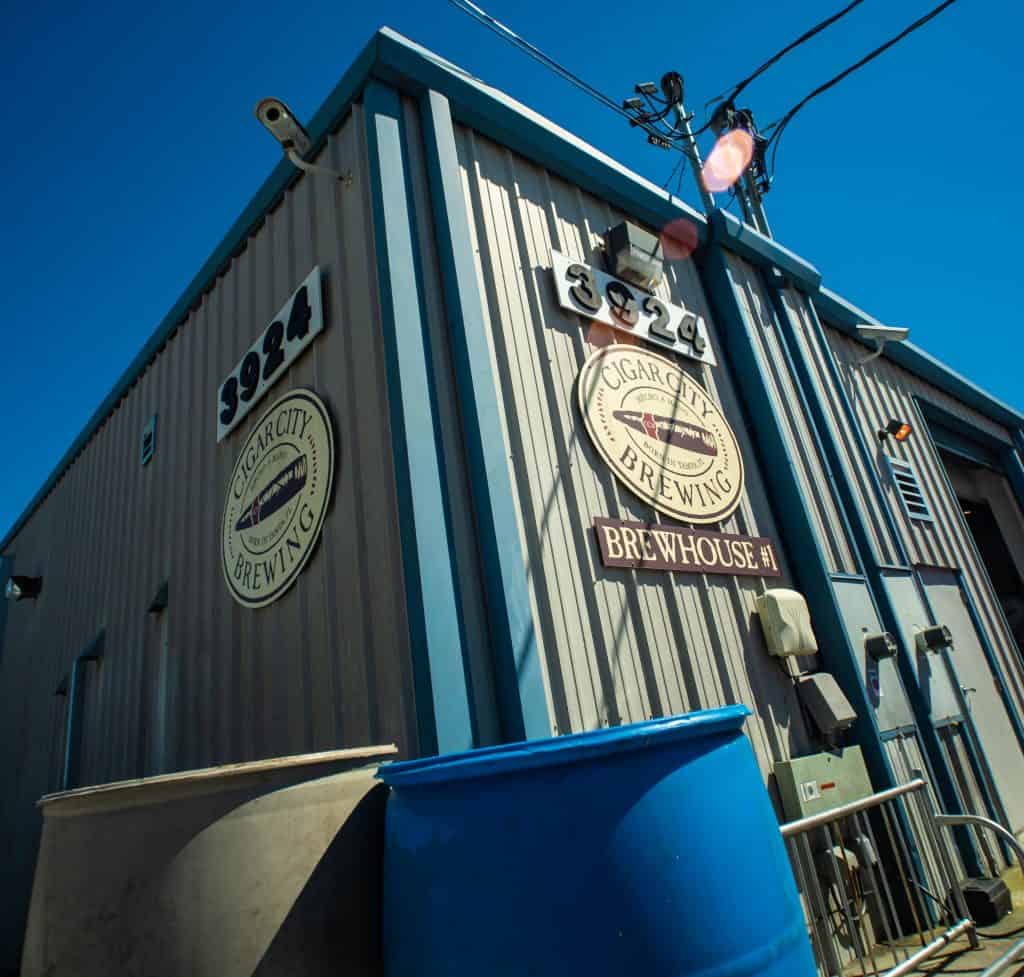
880, 390
818, 354
906, 756
325, 666
800, 444
619, 645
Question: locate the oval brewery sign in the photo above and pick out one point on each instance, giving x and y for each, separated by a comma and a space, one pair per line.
277, 498
661, 434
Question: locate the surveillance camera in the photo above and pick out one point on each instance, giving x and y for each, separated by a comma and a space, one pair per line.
883, 333
283, 126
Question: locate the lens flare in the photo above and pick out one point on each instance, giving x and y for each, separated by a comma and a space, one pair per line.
727, 161
678, 239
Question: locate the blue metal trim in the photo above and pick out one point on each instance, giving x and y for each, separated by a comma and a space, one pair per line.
414, 69
982, 633
281, 178
518, 671
6, 563
439, 665
73, 730
891, 734
844, 316
960, 437
859, 443
864, 545
848, 577
792, 508
763, 251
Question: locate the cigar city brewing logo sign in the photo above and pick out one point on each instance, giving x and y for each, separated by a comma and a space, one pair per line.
661, 434
277, 498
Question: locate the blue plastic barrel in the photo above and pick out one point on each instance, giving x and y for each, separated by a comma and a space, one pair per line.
648, 850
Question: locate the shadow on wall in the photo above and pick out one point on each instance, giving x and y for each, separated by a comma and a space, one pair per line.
266, 879
334, 925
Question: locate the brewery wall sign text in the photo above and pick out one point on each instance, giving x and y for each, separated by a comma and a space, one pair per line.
298, 323
661, 434
596, 295
277, 498
653, 546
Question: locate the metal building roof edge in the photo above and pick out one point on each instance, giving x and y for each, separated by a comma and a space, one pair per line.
395, 59
844, 315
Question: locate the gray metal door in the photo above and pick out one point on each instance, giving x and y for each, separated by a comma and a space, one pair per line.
971, 670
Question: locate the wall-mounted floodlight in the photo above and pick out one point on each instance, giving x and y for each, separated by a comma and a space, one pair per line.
634, 254
23, 588
279, 121
880, 335
897, 430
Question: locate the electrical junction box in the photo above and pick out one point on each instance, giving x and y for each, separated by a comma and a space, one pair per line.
786, 623
821, 696
812, 784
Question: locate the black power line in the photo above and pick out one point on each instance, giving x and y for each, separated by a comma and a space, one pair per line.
779, 126
505, 32
806, 36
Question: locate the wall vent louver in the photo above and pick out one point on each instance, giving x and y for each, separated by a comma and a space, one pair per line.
905, 479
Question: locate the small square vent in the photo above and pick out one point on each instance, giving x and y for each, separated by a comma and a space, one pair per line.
148, 440
905, 479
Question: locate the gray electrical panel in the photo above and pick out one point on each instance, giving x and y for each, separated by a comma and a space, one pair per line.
812, 784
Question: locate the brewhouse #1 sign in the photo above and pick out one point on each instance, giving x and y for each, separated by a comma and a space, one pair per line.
277, 498
661, 434
644, 546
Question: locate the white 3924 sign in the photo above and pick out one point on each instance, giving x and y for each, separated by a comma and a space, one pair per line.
298, 323
591, 293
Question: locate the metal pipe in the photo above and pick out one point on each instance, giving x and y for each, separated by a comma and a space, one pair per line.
1012, 955
944, 940
946, 820
887, 908
844, 810
298, 161
912, 893
931, 949
948, 866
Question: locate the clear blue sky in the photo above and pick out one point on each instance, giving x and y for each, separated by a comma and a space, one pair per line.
131, 147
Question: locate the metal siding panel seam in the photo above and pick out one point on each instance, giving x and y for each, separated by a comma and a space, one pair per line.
524, 706
890, 547
442, 692
793, 507
5, 574
855, 518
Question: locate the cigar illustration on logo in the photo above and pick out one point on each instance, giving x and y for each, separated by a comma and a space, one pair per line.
281, 490
680, 434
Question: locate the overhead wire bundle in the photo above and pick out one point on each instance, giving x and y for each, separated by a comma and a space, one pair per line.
779, 126
653, 119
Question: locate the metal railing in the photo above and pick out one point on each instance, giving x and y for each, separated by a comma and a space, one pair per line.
1015, 954
870, 905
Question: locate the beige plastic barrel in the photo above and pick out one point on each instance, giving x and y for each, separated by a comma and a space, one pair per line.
268, 868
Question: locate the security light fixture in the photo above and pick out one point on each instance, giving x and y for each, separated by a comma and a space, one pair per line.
646, 88
879, 335
898, 430
634, 254
23, 588
633, 104
281, 123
